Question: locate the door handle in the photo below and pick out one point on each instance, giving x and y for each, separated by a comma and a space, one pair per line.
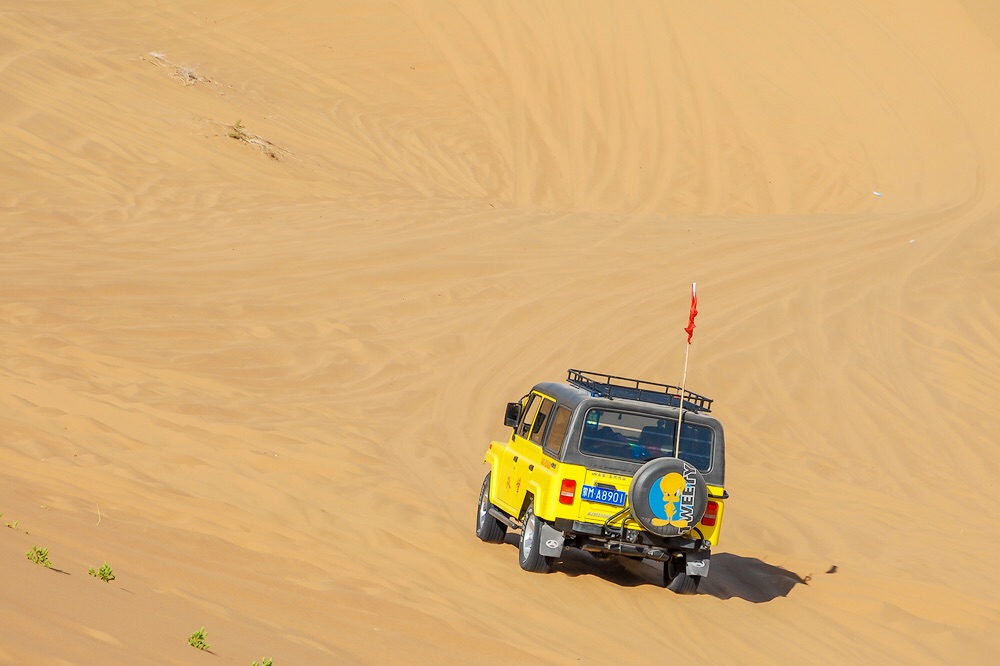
531, 468
515, 458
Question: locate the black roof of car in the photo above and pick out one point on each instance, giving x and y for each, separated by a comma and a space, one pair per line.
580, 384
582, 391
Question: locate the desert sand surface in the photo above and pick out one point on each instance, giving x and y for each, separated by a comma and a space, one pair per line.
271, 271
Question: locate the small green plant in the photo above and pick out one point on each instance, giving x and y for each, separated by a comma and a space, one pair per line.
197, 640
40, 556
104, 573
265, 661
12, 525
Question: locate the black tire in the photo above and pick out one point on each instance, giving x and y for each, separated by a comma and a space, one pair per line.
668, 496
676, 578
488, 528
528, 555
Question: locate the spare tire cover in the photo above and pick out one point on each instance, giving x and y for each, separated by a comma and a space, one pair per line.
668, 496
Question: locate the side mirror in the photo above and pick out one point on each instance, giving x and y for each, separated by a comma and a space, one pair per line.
512, 415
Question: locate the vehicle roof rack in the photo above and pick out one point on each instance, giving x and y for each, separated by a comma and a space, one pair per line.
611, 386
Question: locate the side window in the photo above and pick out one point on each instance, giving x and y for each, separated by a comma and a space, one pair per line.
528, 415
557, 433
538, 428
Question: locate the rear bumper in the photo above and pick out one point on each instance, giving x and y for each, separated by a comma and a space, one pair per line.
696, 554
692, 549
595, 539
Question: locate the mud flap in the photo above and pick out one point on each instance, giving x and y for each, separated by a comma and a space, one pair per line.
550, 541
697, 563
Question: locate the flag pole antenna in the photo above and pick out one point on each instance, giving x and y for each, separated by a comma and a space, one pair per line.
687, 349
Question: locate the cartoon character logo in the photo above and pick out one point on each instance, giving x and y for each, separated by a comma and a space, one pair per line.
671, 500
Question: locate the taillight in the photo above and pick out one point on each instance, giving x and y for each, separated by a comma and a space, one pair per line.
711, 514
568, 491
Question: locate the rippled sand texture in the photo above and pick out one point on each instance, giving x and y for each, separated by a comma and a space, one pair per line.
270, 272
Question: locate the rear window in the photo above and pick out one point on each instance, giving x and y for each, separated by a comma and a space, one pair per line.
640, 437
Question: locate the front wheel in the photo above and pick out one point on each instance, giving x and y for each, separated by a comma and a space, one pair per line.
528, 554
676, 578
488, 528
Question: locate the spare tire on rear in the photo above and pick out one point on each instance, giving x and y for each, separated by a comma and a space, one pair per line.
668, 496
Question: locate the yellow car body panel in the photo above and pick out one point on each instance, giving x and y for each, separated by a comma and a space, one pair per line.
544, 484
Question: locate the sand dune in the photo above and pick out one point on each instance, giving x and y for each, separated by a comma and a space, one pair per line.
270, 274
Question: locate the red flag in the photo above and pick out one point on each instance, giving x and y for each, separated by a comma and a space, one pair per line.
694, 311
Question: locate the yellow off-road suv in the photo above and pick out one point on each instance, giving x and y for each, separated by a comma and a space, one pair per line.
596, 463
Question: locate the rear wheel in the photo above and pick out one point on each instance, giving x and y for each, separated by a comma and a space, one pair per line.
676, 578
528, 555
488, 528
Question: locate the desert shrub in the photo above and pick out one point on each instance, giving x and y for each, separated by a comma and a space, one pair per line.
104, 573
197, 640
40, 556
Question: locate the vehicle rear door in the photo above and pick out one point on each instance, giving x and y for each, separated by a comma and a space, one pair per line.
613, 436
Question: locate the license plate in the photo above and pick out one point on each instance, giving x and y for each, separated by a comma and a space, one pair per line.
603, 495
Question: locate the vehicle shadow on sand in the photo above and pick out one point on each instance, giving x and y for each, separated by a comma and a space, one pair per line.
748, 578
732, 576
